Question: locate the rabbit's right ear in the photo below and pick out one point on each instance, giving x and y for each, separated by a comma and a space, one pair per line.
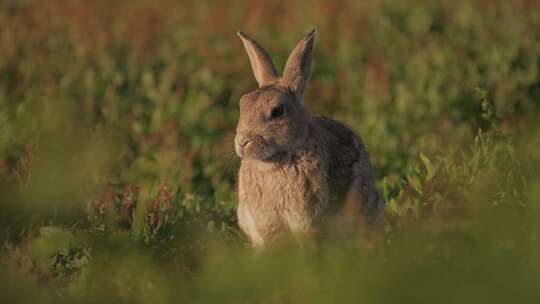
261, 64
298, 65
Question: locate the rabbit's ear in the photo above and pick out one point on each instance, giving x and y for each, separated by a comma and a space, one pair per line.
261, 63
298, 65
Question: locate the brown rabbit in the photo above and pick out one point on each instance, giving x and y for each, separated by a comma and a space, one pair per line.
296, 170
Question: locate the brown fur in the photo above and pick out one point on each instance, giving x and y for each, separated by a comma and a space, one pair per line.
296, 170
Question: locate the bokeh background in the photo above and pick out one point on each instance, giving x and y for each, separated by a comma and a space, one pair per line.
117, 167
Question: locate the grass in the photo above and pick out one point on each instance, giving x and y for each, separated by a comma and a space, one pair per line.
117, 169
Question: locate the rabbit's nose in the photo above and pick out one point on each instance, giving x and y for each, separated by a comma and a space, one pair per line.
242, 140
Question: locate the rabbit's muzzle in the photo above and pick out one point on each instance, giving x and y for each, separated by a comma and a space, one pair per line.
252, 147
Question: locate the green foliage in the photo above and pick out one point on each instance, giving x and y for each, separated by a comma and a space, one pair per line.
117, 167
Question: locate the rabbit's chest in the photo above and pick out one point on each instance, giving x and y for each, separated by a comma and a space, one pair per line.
288, 197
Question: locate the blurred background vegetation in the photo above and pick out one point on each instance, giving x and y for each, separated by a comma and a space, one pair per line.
117, 171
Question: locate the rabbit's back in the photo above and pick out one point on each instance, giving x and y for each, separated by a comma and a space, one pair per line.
343, 150
350, 175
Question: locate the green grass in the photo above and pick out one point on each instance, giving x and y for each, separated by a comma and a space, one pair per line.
117, 167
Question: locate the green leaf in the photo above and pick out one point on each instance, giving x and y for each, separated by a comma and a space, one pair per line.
431, 170
415, 182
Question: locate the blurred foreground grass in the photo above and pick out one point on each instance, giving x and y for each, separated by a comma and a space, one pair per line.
117, 168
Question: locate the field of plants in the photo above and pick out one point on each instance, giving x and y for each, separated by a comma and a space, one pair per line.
118, 172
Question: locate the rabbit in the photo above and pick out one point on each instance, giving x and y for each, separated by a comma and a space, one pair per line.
296, 170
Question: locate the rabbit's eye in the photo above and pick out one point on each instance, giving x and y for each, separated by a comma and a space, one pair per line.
278, 111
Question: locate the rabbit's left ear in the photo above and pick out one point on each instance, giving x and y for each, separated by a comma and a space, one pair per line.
298, 65
261, 63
